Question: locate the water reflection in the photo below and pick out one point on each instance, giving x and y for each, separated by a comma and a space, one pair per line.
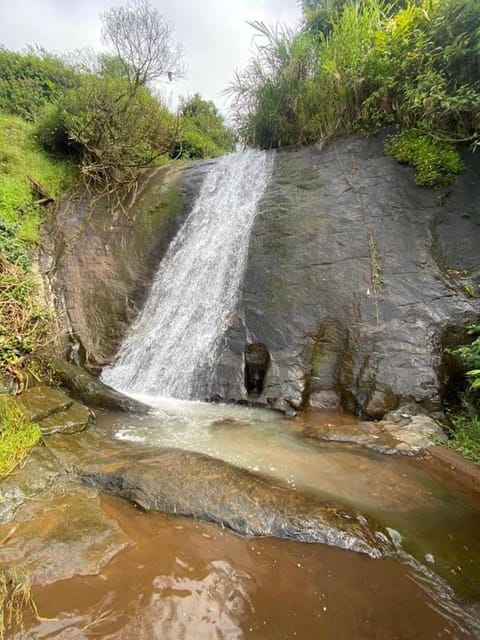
192, 581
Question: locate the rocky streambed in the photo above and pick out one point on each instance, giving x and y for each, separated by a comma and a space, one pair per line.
317, 479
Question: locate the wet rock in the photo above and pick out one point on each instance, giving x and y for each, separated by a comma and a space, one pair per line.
279, 404
401, 432
329, 221
354, 274
188, 483
72, 420
89, 389
42, 402
37, 474
94, 242
54, 411
58, 536
380, 402
324, 399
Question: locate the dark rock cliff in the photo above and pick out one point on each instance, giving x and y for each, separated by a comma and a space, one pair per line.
356, 278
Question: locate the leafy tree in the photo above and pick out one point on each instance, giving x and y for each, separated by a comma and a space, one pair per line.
115, 133
203, 131
142, 41
111, 121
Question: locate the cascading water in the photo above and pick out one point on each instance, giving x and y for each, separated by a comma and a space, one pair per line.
176, 337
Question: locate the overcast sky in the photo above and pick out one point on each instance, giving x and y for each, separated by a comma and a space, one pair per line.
213, 33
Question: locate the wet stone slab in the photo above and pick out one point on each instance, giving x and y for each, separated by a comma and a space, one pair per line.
62, 533
401, 432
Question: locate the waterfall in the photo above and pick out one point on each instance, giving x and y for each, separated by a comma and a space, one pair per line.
174, 342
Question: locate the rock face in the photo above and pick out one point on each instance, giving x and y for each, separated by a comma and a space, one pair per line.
59, 536
355, 277
54, 411
193, 484
100, 262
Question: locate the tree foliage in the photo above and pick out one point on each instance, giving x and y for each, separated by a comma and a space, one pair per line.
203, 132
29, 81
113, 132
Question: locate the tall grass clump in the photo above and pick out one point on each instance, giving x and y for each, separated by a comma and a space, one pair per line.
358, 65
15, 600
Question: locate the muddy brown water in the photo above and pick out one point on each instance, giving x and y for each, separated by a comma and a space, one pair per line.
189, 580
183, 579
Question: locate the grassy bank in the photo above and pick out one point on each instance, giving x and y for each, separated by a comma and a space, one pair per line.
29, 182
17, 435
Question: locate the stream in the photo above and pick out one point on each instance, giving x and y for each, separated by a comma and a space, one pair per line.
187, 579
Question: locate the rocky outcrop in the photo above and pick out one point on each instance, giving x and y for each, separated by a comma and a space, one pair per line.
189, 483
91, 390
100, 261
54, 411
354, 278
59, 535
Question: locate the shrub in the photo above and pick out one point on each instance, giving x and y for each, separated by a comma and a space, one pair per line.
29, 81
358, 66
471, 356
435, 162
466, 436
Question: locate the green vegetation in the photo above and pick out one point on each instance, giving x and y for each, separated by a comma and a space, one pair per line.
30, 81
17, 435
465, 430
203, 132
470, 353
466, 436
358, 65
435, 162
27, 177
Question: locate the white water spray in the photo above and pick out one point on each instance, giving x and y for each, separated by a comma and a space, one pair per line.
176, 337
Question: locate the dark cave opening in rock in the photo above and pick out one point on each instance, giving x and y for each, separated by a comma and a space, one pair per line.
257, 361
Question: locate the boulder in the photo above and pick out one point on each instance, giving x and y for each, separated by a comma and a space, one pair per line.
89, 389
193, 484
54, 411
59, 535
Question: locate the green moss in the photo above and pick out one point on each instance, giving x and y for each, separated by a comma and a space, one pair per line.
17, 435
435, 162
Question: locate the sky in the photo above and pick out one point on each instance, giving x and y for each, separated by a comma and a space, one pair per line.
214, 34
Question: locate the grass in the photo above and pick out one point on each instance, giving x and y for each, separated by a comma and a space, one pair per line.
21, 162
466, 437
17, 435
15, 600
